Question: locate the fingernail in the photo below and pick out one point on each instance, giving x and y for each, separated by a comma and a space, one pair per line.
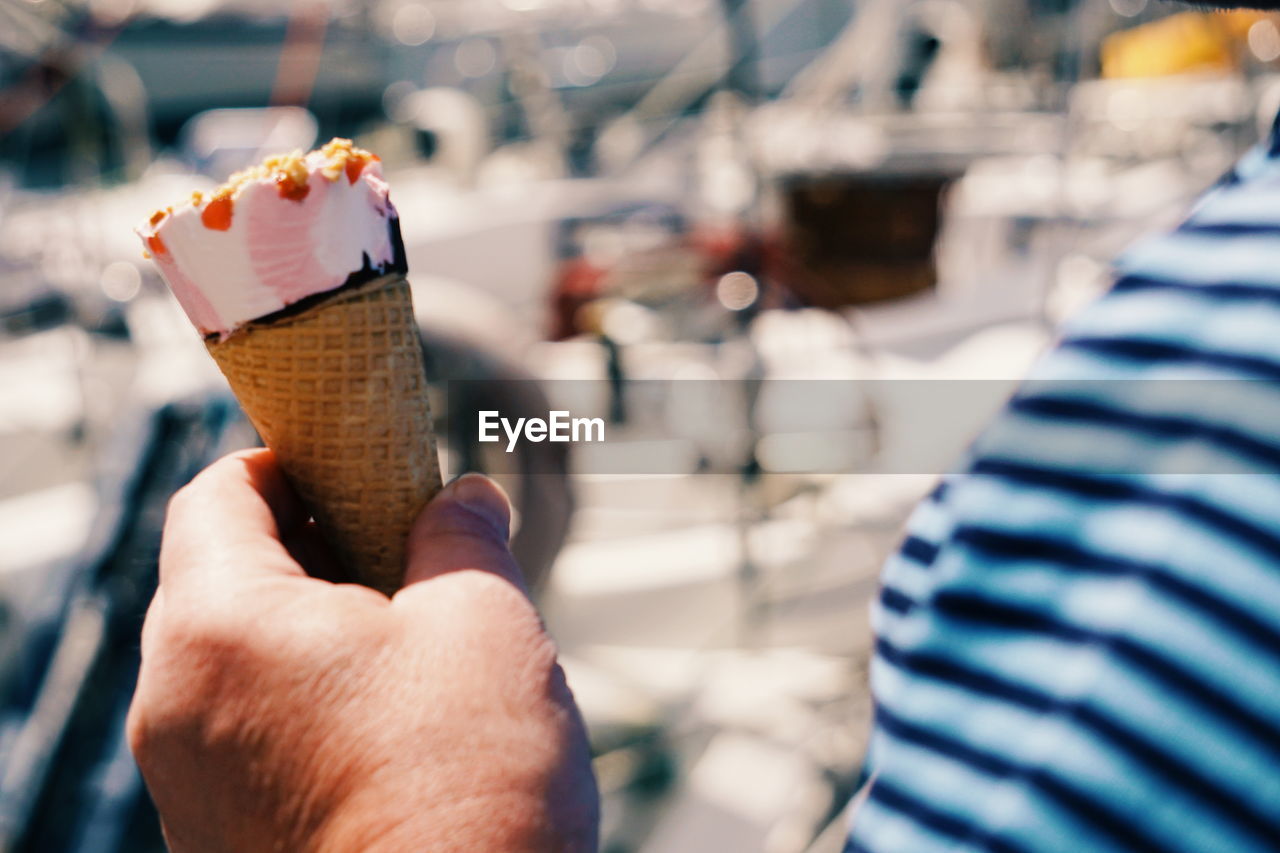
486, 499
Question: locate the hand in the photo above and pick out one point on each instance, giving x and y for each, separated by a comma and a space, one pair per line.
278, 711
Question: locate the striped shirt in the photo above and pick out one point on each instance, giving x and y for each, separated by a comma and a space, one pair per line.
1078, 643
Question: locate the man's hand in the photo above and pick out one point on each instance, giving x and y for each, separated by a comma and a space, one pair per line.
278, 711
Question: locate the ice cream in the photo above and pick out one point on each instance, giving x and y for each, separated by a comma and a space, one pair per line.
275, 234
294, 273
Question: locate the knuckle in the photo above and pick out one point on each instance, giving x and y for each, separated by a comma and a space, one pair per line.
501, 619
182, 499
206, 638
189, 496
195, 663
198, 641
137, 732
483, 592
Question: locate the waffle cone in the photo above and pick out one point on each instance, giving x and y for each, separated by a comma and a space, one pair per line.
338, 391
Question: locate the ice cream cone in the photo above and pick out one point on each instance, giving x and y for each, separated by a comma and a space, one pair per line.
338, 391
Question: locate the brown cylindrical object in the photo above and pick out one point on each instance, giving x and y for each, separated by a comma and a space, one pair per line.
339, 392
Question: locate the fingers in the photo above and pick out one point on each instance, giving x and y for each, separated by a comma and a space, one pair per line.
240, 519
466, 526
267, 478
226, 523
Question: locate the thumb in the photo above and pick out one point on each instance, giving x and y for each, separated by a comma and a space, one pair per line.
465, 526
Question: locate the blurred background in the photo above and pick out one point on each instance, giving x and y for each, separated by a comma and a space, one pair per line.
592, 193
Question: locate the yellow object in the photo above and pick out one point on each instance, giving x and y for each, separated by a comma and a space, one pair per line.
1185, 43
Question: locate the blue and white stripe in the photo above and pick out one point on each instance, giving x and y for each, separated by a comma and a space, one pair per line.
1078, 644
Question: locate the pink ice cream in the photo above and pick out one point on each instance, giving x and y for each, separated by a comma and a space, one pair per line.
291, 228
